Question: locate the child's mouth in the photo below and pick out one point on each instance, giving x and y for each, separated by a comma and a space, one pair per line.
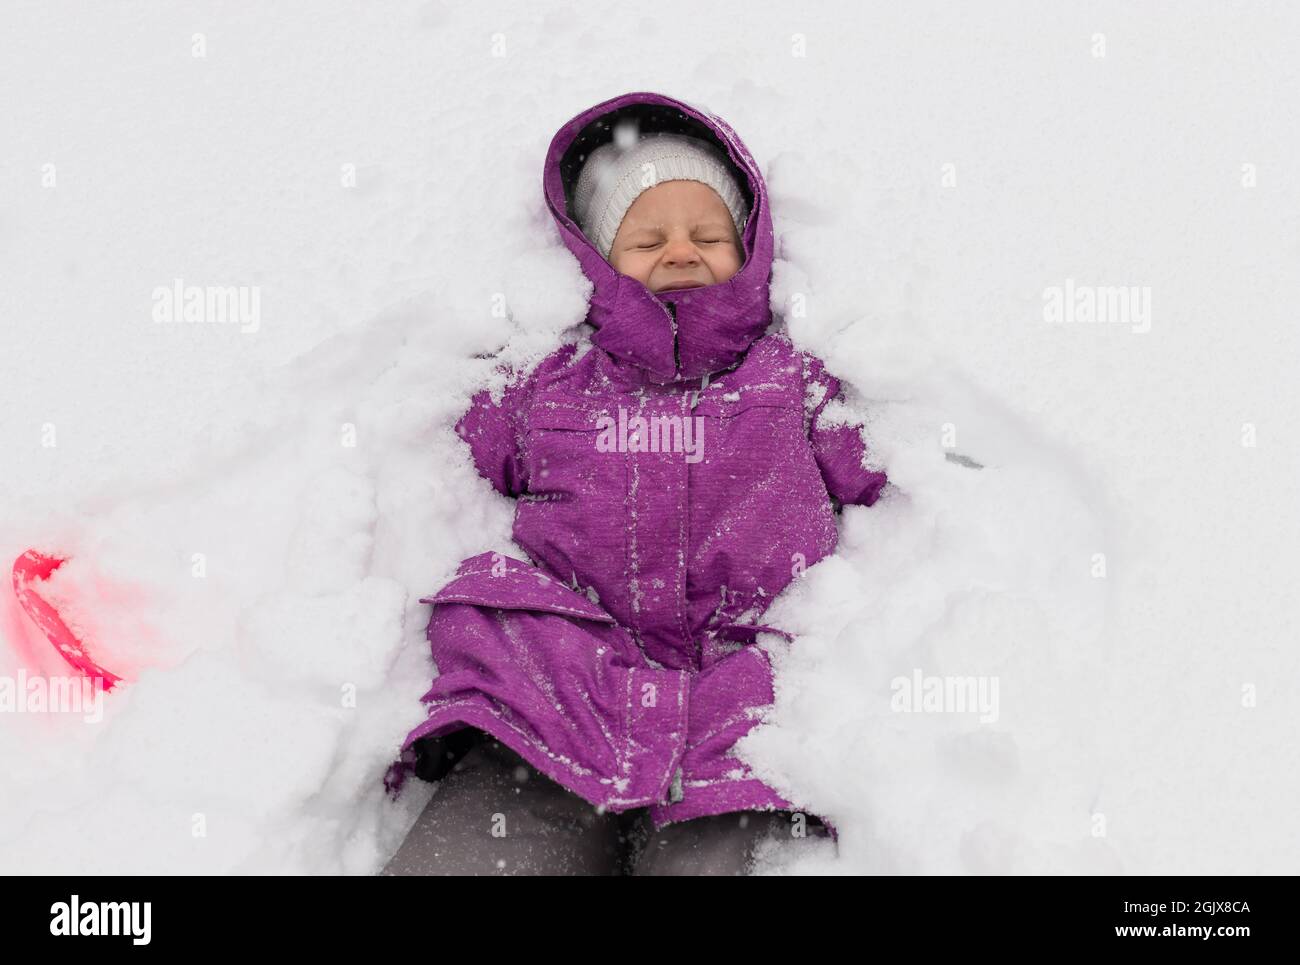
678, 285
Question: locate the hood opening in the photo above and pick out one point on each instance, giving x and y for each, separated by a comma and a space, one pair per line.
650, 119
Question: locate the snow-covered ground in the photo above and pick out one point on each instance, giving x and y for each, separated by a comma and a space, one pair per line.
252, 511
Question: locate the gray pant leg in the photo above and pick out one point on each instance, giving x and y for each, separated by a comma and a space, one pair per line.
493, 814
721, 844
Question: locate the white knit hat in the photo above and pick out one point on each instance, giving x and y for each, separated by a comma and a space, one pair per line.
612, 178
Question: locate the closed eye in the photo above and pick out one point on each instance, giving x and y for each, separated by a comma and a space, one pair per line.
703, 241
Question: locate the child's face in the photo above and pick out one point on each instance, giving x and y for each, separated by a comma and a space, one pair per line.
676, 234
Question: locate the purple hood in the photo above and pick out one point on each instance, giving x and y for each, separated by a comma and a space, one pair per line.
713, 326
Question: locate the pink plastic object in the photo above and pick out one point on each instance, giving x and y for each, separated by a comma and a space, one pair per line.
30, 568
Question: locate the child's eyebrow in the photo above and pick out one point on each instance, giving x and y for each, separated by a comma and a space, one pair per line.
656, 229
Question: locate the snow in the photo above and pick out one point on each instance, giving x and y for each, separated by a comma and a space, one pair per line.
252, 513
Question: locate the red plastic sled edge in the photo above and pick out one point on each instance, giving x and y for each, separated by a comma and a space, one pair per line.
30, 568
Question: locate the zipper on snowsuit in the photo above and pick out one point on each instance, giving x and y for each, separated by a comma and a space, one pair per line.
677, 352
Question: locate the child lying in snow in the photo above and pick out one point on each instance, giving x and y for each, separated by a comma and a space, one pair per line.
673, 475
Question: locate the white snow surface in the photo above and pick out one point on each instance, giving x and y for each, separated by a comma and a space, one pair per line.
251, 516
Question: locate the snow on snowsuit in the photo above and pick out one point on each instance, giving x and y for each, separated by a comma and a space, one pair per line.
621, 660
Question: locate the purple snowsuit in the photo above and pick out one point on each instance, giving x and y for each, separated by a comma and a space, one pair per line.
621, 661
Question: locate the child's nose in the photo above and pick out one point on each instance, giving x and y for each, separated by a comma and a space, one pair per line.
681, 253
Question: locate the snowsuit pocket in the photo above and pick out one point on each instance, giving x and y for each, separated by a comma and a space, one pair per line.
562, 453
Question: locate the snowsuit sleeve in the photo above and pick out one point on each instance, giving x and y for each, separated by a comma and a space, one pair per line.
839, 449
494, 431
